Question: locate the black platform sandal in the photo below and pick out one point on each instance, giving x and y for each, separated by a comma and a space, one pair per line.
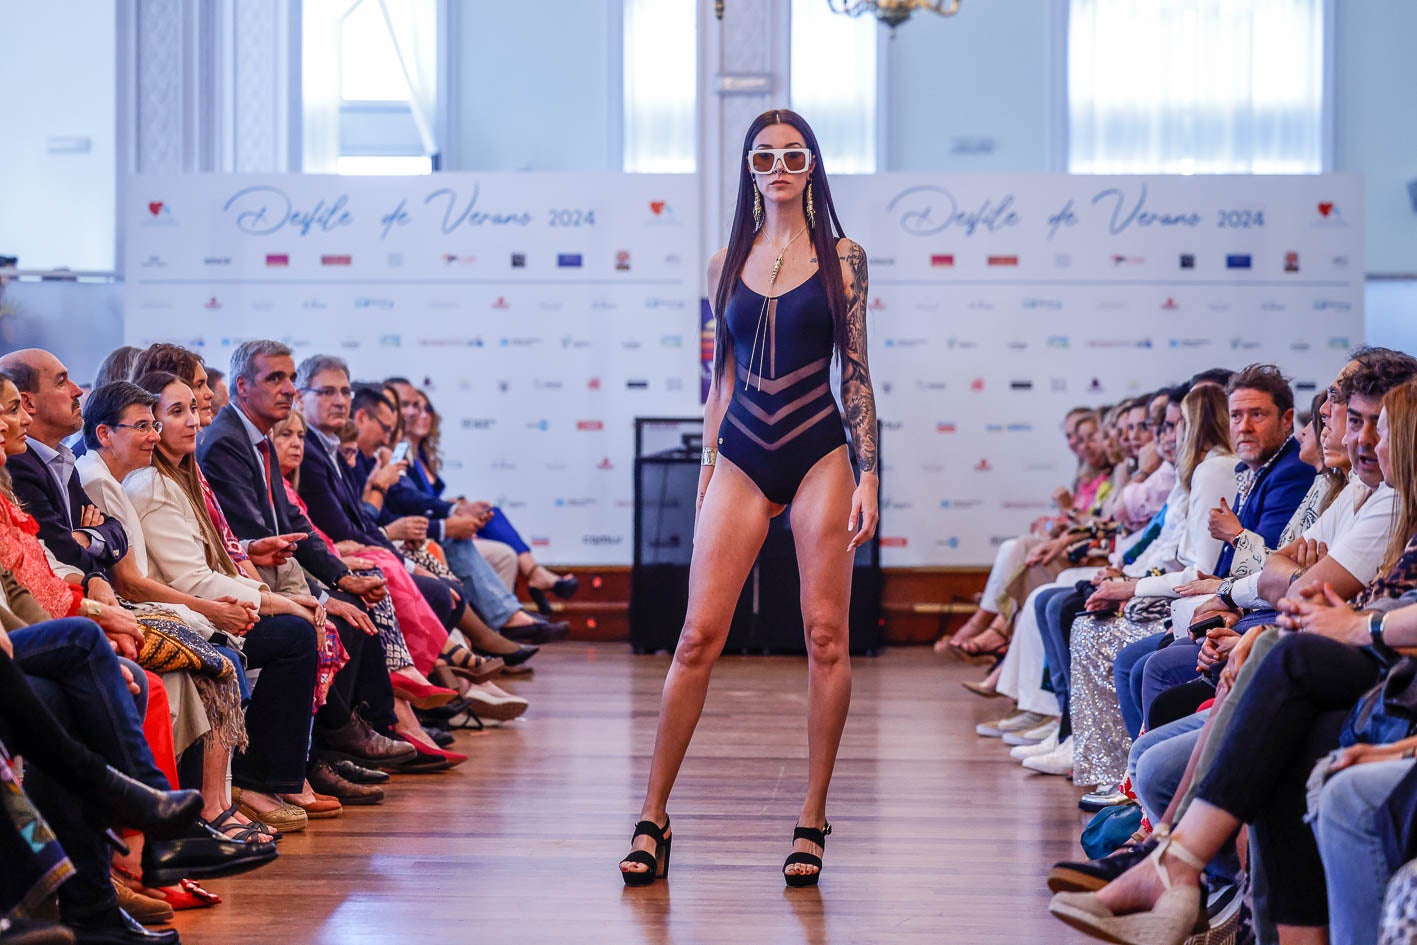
811, 835
656, 863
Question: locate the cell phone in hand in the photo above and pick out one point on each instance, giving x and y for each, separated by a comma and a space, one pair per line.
400, 453
1199, 630
324, 598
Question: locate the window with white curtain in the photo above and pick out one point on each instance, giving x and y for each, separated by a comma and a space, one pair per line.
661, 66
369, 73
1196, 86
834, 83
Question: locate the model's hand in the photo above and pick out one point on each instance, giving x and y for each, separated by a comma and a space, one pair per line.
864, 513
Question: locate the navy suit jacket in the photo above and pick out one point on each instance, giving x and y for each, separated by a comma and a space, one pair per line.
40, 495
230, 464
329, 494
1279, 488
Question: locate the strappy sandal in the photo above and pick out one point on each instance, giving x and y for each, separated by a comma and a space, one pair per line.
245, 833
461, 662
1171, 920
812, 835
972, 651
657, 863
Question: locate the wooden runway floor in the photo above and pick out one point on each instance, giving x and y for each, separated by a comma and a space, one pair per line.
939, 837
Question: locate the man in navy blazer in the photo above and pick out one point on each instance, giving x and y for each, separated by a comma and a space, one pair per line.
238, 461
70, 525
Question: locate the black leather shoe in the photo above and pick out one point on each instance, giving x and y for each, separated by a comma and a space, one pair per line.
439, 736
1092, 875
358, 774
159, 814
30, 932
202, 853
118, 928
538, 631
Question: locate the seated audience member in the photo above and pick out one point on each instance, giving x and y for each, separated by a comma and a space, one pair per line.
987, 632
377, 424
220, 395
122, 435
1270, 483
188, 366
422, 434
1289, 708
186, 551
43, 477
118, 366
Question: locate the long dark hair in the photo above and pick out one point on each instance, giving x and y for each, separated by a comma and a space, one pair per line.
740, 238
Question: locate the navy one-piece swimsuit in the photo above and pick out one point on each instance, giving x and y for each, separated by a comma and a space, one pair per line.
786, 419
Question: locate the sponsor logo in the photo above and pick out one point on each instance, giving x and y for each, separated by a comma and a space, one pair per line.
455, 259
977, 385
883, 262
1308, 387
636, 384
314, 305
542, 425
1023, 504
602, 305
366, 302
216, 260
1243, 344
656, 302
502, 465
622, 260
153, 262
391, 341
540, 541
568, 341
904, 342
605, 463
1291, 261
946, 427
897, 504
1094, 386
212, 304
1188, 260
578, 502
631, 344
942, 261
277, 260
1169, 305
963, 344
957, 504
1063, 260
1270, 305
1119, 343
892, 425
501, 303
157, 209
1003, 260
336, 260
1120, 260
1017, 345
602, 540
877, 304
479, 423
1299, 346
1057, 341
1329, 214
894, 541
590, 424
395, 260
671, 341
1237, 261
1339, 343
568, 260
522, 341
1052, 304
1190, 342
1332, 305
593, 383
450, 342
950, 542
1021, 385
518, 260
1340, 262
538, 384
979, 305
983, 465
930, 385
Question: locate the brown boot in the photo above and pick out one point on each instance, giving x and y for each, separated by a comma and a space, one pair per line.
357, 742
145, 909
325, 780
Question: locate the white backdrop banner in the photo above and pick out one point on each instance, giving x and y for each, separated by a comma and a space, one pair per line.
999, 301
543, 312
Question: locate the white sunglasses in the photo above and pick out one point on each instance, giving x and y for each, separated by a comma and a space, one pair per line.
793, 160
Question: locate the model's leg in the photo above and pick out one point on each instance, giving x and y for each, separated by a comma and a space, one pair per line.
733, 522
819, 517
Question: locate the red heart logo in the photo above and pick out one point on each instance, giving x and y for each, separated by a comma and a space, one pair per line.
657, 206
1326, 207
155, 207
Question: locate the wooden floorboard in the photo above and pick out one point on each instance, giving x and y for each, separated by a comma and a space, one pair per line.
939, 837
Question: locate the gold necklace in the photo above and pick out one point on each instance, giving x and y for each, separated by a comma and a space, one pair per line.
762, 312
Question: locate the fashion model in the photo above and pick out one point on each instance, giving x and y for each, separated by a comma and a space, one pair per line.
788, 291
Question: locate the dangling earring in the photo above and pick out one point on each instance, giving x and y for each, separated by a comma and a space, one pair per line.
757, 209
811, 214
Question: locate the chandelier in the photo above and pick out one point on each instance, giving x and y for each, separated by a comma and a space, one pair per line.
890, 12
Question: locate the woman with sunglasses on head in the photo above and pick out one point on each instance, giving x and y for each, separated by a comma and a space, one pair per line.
789, 291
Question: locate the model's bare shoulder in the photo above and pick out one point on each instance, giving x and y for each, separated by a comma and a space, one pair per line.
715, 269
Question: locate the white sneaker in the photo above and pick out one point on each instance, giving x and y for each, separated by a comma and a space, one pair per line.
1059, 761
1015, 722
1032, 736
1042, 748
487, 701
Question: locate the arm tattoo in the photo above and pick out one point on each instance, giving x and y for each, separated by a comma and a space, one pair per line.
857, 395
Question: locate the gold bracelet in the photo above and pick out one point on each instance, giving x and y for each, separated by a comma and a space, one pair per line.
710, 456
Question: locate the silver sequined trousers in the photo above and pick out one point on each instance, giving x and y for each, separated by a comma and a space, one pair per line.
1100, 738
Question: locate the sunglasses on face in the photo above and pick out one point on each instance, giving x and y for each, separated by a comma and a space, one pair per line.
793, 160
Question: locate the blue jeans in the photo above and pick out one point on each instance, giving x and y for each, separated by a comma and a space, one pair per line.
1166, 668
1126, 671
1048, 608
485, 592
1356, 867
1158, 761
71, 663
498, 528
